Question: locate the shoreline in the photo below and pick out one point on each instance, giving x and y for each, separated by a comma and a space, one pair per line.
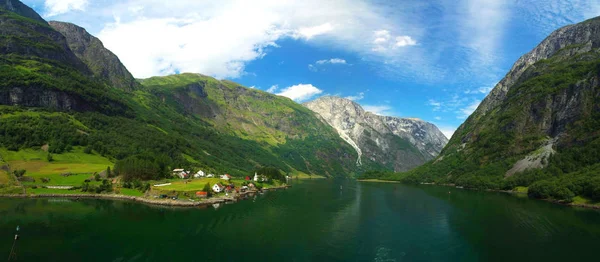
148, 201
558, 202
379, 181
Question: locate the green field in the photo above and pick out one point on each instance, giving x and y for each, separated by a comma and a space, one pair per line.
4, 178
198, 184
579, 200
130, 192
35, 162
521, 189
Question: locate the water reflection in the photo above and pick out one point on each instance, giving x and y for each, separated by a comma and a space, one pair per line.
313, 221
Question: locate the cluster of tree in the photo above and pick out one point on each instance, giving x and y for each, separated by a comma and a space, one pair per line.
376, 174
207, 189
137, 184
105, 187
271, 173
142, 167
19, 173
584, 183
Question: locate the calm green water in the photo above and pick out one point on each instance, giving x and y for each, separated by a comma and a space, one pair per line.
313, 221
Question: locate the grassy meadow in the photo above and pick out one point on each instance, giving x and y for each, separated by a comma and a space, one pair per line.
80, 165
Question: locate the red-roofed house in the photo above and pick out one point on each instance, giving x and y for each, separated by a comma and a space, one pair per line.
201, 194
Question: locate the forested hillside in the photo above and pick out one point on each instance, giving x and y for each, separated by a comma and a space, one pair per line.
57, 101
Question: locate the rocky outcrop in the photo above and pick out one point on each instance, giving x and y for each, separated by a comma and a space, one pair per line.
399, 143
101, 61
41, 97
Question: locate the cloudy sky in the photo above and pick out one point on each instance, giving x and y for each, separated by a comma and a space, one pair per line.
434, 60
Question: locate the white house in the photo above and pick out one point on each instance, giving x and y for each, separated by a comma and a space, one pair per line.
199, 174
181, 173
210, 175
226, 177
218, 188
260, 178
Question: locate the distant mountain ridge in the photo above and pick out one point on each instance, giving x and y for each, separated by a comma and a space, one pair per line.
399, 143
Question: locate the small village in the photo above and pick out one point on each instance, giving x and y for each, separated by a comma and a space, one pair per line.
199, 186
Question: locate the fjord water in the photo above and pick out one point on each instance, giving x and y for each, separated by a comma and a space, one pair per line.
318, 220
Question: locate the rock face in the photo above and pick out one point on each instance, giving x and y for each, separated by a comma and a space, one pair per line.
101, 61
399, 143
585, 35
550, 94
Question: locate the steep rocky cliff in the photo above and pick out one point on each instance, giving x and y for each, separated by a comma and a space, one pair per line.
37, 67
544, 113
101, 61
399, 143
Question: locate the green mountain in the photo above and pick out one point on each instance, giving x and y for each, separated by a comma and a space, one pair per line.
62, 91
538, 127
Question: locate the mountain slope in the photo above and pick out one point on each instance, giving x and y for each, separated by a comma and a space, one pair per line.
540, 123
294, 136
37, 68
398, 143
101, 61
21, 9
52, 100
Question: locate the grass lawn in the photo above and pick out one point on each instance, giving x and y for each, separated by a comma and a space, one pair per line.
198, 184
130, 192
301, 175
4, 178
195, 184
582, 200
521, 189
75, 162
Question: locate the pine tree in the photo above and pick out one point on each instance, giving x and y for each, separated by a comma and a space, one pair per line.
207, 189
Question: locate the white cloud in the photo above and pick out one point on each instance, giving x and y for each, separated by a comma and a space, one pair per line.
310, 32
438, 118
382, 41
273, 88
219, 38
253, 87
465, 112
57, 7
357, 97
405, 41
436, 106
300, 92
331, 61
382, 110
482, 29
482, 90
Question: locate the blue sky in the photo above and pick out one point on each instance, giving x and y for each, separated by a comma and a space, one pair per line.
434, 60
